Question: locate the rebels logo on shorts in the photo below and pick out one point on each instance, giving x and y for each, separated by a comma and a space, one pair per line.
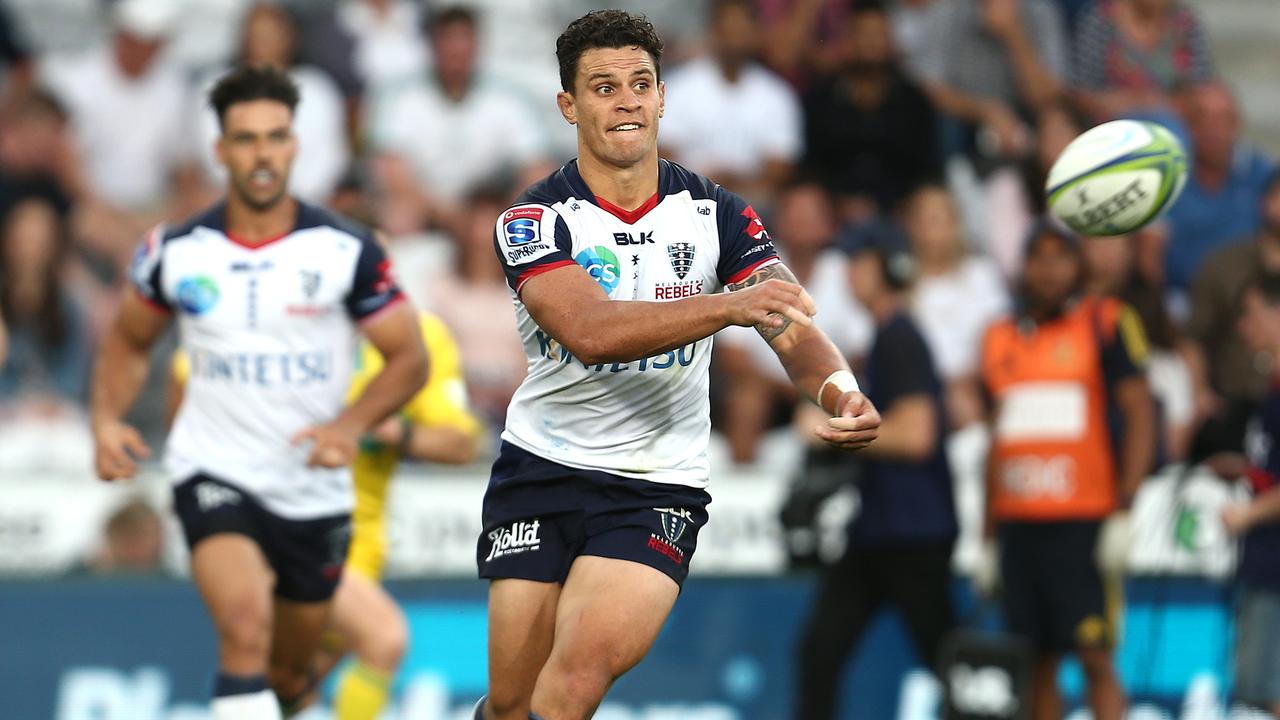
674, 522
518, 537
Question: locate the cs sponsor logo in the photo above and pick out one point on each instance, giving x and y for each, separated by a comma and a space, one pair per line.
520, 225
197, 294
602, 265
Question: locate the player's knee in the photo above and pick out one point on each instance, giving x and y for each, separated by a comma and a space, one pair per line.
289, 681
385, 648
507, 703
244, 629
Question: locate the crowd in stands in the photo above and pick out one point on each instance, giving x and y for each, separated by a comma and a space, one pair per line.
425, 119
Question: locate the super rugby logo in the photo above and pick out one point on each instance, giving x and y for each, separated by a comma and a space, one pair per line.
681, 255
519, 537
521, 225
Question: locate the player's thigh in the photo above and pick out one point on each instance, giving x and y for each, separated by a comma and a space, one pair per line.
522, 626
367, 620
234, 580
609, 614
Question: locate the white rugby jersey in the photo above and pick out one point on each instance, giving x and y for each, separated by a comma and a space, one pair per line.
648, 419
271, 332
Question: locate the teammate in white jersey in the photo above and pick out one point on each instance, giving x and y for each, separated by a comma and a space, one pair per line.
269, 294
616, 262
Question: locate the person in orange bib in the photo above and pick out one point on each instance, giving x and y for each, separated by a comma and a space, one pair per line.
1057, 372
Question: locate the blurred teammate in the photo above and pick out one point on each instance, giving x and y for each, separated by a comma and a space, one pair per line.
435, 426
269, 293
1055, 372
616, 262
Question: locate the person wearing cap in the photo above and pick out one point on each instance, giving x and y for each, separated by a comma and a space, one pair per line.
127, 102
1054, 371
901, 540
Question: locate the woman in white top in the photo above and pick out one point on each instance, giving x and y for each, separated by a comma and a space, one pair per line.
956, 296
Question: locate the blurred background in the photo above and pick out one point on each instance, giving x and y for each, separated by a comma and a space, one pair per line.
424, 119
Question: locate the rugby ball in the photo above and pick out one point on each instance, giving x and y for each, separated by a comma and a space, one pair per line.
1116, 177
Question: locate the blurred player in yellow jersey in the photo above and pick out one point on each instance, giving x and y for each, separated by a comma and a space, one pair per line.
435, 426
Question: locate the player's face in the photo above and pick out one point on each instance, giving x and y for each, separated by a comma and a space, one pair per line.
257, 146
616, 103
1051, 274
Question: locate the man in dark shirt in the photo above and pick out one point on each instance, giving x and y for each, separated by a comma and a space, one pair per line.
900, 542
1258, 653
870, 133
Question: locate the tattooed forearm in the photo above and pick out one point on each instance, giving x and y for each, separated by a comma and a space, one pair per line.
775, 271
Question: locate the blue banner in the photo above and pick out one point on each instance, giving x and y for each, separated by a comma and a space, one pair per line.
144, 650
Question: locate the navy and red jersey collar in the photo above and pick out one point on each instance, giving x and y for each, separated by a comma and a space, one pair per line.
630, 217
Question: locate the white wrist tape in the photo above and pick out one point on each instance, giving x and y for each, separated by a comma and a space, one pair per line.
843, 380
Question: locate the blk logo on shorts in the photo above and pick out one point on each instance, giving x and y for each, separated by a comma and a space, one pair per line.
211, 495
519, 537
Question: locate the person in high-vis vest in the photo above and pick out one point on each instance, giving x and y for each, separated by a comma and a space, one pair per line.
1056, 372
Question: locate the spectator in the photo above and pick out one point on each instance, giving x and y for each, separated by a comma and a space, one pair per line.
133, 541
994, 64
471, 296
369, 45
991, 68
444, 137
1131, 55
900, 542
1232, 369
956, 296
36, 153
16, 68
804, 232
49, 344
1113, 271
714, 121
803, 35
1052, 372
1257, 668
1220, 201
127, 104
869, 132
269, 37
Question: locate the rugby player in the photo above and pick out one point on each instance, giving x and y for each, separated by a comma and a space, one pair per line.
269, 294
616, 263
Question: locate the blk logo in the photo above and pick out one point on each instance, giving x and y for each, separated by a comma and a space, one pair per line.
622, 238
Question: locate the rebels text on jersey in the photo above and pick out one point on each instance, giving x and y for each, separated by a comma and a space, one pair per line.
647, 419
270, 331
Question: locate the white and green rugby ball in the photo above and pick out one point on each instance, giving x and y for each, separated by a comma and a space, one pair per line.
1117, 177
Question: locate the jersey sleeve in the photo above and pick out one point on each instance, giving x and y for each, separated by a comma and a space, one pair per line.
145, 269
745, 246
180, 366
373, 288
531, 239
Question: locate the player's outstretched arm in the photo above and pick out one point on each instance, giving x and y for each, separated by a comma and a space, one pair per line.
573, 309
394, 333
118, 375
816, 367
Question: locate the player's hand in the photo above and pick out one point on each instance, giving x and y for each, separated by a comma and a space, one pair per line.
855, 427
333, 445
116, 449
1237, 519
766, 305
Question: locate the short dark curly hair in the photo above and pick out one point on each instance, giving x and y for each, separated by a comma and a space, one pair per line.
605, 29
248, 83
